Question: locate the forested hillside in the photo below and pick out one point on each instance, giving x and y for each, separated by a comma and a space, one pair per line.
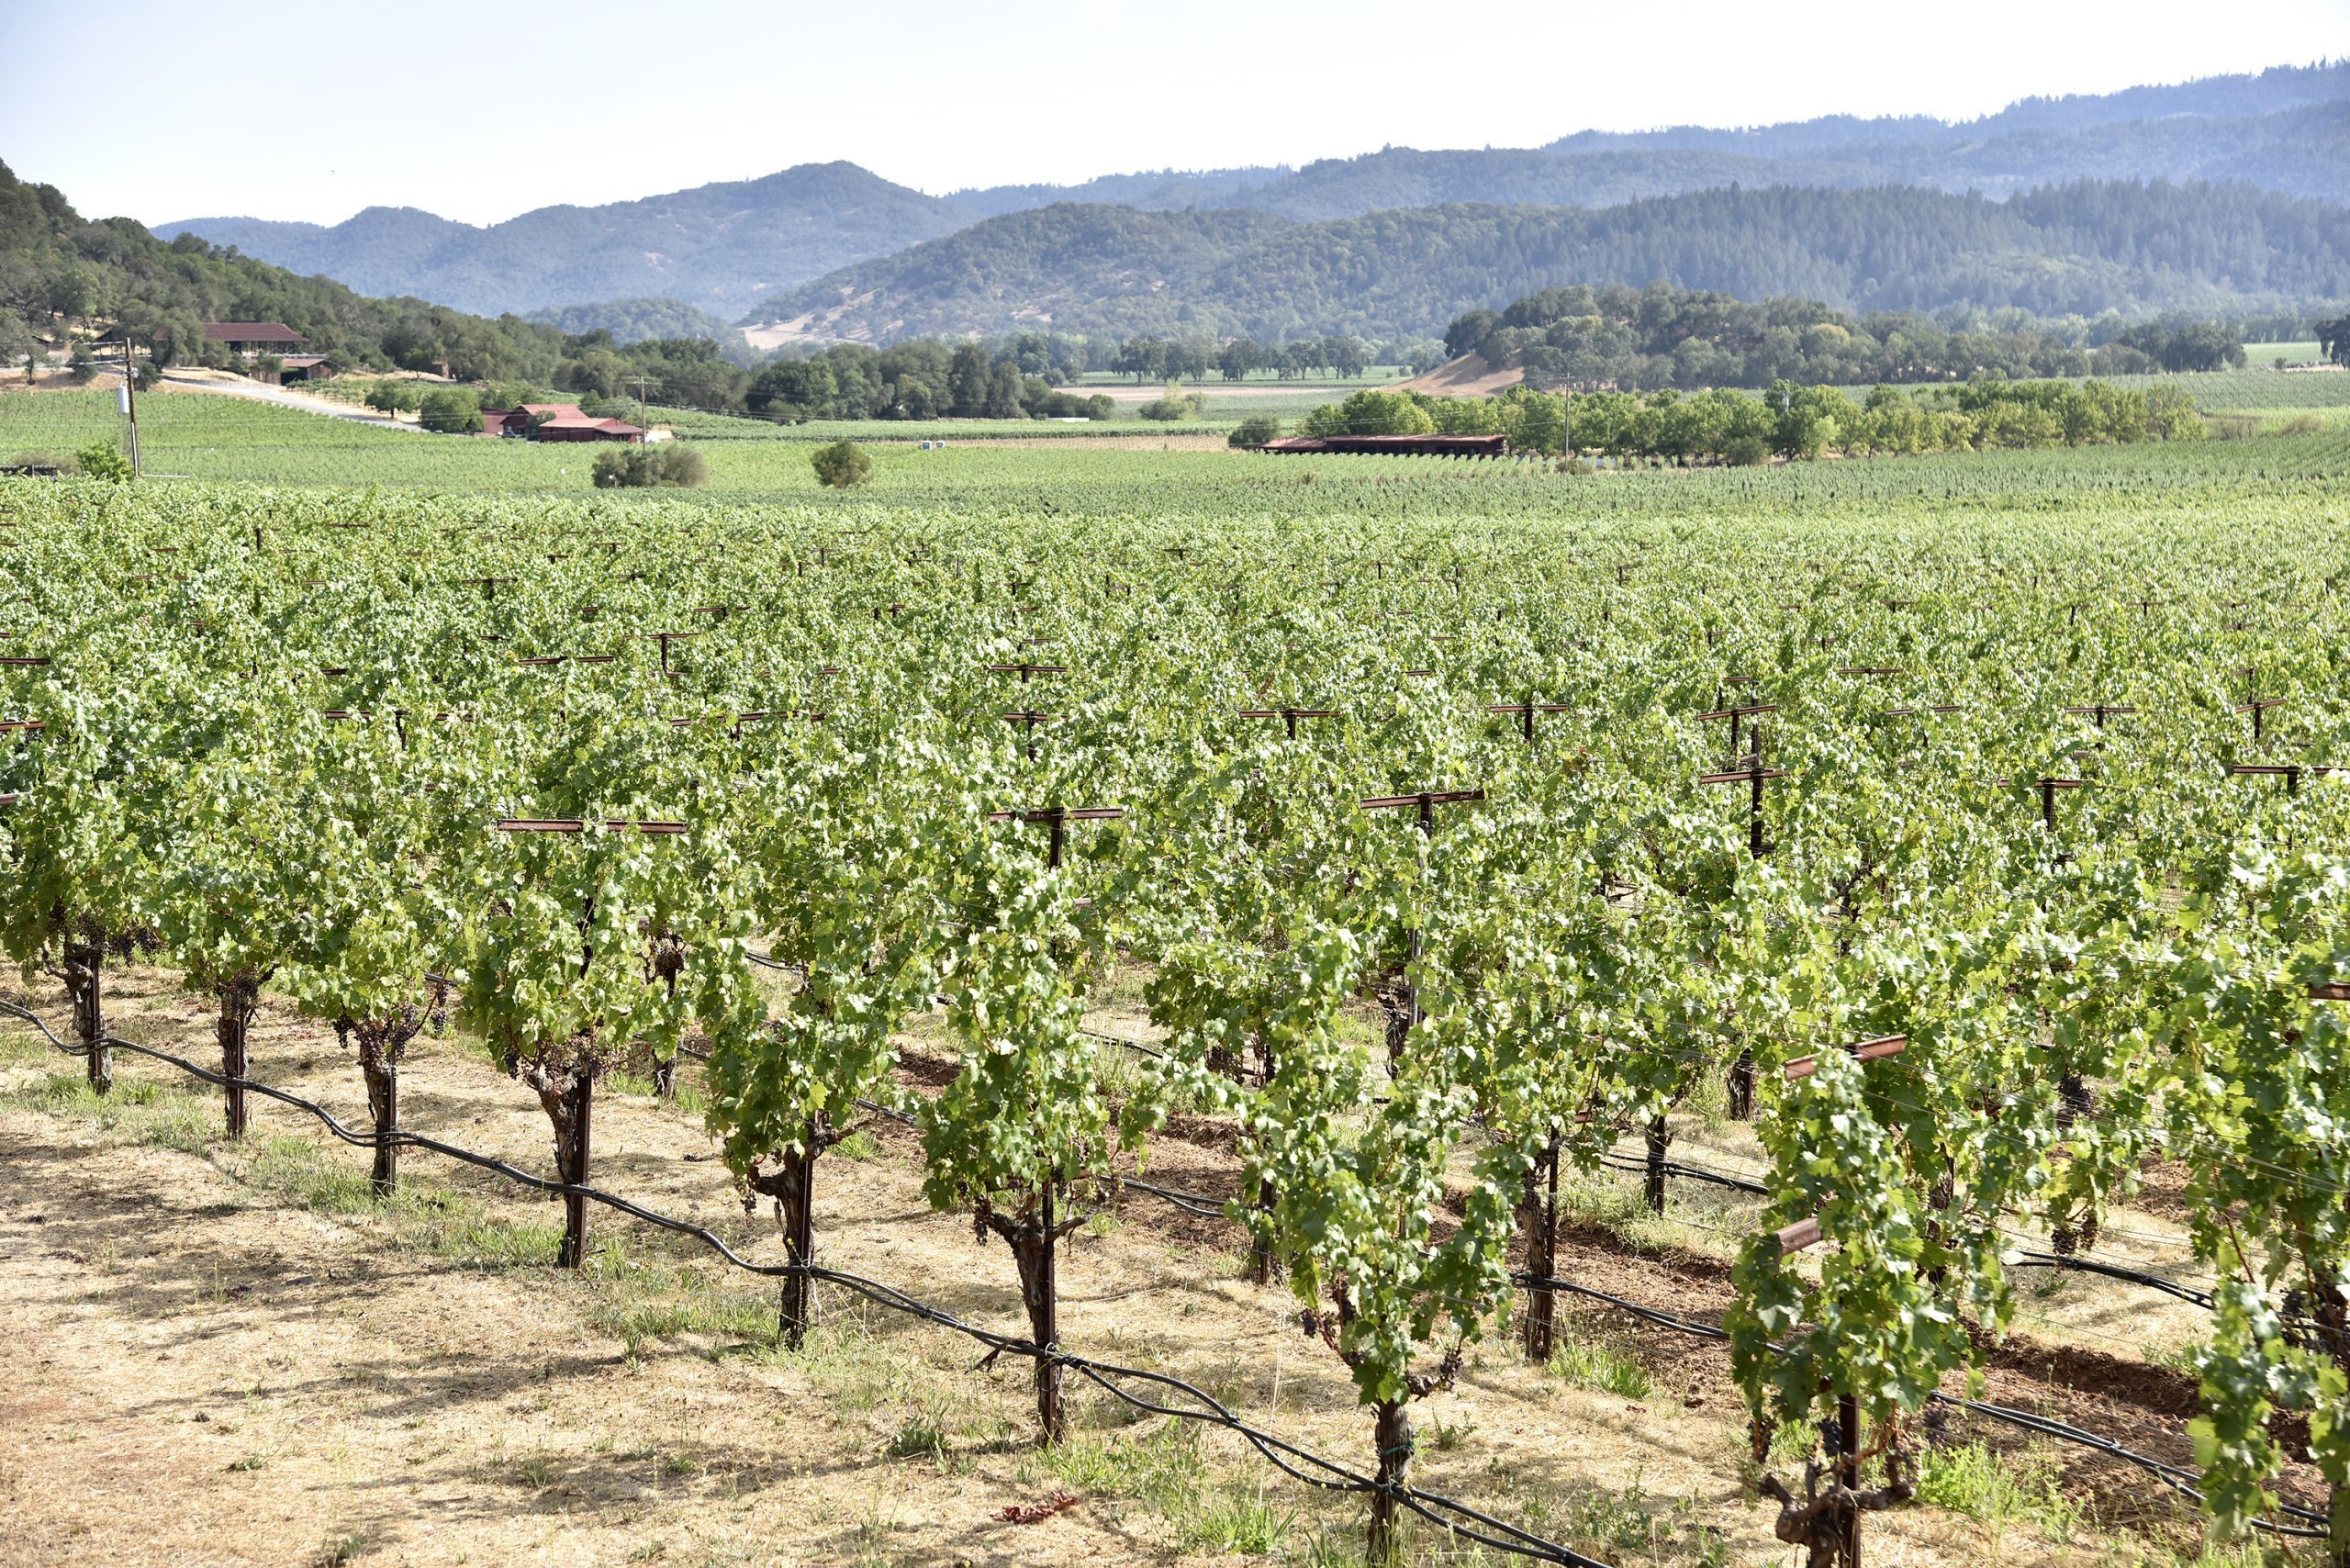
636, 321
718, 247
2080, 249
61, 275
741, 246
2285, 129
1659, 337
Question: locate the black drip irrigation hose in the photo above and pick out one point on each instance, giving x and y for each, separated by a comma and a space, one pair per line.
1301, 1464
2177, 1477
1332, 1475
2187, 1294
1209, 1206
1693, 1172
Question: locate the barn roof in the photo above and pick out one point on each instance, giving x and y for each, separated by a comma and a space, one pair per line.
253, 332
1396, 445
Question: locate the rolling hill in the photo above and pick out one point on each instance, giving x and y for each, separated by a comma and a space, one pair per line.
2077, 249
759, 245
719, 247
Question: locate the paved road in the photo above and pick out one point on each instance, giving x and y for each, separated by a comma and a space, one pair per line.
285, 400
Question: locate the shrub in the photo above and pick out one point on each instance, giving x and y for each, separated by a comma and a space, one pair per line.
1174, 404
1373, 412
390, 396
682, 465
1746, 452
638, 467
842, 464
451, 411
103, 462
1252, 433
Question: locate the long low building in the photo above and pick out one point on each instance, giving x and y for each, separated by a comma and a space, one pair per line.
1396, 445
556, 422
254, 337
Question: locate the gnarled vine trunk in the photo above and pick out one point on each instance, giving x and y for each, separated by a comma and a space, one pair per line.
239, 998
1268, 1267
1394, 1435
2075, 1098
383, 1078
794, 1190
1034, 1246
569, 1096
1740, 1085
1538, 1216
85, 967
1659, 1140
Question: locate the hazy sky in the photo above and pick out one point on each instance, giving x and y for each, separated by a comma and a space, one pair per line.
166, 109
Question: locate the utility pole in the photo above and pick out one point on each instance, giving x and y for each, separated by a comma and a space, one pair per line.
642, 423
1567, 417
131, 402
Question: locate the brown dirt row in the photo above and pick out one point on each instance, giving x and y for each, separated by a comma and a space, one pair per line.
225, 1369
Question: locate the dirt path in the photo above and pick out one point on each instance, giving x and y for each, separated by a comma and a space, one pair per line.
283, 398
233, 1357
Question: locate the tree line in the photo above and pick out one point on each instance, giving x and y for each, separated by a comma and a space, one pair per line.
920, 379
1657, 337
2084, 247
1788, 420
1337, 354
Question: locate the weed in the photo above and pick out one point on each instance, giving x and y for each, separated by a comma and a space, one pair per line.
148, 1114
919, 1438
2000, 1491
345, 1548
535, 1470
1248, 1525
1586, 1357
2183, 1359
859, 1145
1163, 1470
1445, 1436
249, 1461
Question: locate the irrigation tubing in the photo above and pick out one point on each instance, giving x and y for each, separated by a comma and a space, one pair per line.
1280, 1452
1300, 1463
2177, 1477
1206, 1203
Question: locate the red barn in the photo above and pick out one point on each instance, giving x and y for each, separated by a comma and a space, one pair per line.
1396, 445
582, 429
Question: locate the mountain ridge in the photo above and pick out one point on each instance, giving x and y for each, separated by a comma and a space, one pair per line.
2079, 248
716, 247
734, 246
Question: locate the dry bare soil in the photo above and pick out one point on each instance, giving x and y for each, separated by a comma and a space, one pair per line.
225, 1353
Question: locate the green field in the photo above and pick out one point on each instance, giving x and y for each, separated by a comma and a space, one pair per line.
2265, 355
207, 437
